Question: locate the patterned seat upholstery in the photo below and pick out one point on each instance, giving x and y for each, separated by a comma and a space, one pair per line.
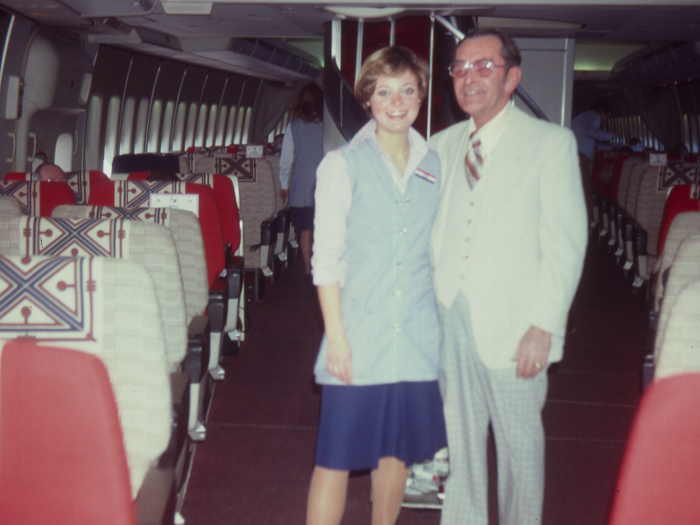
225, 199
187, 235
107, 308
150, 245
659, 479
223, 191
684, 270
135, 194
9, 207
624, 181
679, 350
37, 197
80, 182
683, 226
59, 421
682, 198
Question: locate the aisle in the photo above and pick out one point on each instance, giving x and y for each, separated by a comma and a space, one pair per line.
256, 463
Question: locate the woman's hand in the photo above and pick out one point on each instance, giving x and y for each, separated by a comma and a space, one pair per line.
340, 359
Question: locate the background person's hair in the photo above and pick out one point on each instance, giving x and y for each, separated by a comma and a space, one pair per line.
308, 103
390, 61
509, 49
36, 175
602, 105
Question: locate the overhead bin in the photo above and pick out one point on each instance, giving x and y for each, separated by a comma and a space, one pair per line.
660, 65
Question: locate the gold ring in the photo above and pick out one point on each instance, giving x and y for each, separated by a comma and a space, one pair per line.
538, 366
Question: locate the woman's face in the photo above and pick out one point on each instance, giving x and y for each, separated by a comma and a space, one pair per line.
395, 102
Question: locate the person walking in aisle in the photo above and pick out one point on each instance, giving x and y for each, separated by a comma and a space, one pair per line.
302, 151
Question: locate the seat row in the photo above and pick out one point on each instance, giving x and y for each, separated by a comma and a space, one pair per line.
55, 297
629, 203
649, 216
265, 220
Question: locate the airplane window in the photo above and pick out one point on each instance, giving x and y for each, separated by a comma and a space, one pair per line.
92, 132
127, 128
240, 117
167, 125
230, 126
154, 127
221, 126
686, 132
201, 126
211, 139
141, 120
191, 125
111, 127
246, 126
179, 127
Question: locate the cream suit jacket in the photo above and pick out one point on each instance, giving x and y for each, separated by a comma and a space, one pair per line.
528, 239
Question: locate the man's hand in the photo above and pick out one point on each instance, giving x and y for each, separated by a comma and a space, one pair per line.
340, 359
284, 194
533, 351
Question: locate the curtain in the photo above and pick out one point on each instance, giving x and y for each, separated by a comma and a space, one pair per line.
274, 98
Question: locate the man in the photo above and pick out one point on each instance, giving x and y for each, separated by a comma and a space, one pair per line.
507, 247
586, 128
49, 172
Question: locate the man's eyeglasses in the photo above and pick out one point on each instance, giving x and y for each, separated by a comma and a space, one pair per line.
482, 68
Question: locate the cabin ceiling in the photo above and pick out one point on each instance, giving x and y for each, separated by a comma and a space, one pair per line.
205, 38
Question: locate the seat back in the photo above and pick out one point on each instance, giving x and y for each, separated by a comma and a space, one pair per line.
107, 308
633, 186
258, 204
145, 161
684, 269
680, 199
149, 245
683, 225
624, 181
187, 235
37, 197
679, 350
61, 442
649, 208
81, 182
135, 194
225, 196
659, 479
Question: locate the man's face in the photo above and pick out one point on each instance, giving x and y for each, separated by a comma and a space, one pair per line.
484, 97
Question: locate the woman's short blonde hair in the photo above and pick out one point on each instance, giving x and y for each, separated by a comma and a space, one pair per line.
390, 61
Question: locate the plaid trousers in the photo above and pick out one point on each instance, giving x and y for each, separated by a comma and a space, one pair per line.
475, 396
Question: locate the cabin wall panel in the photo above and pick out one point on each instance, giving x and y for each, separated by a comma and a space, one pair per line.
548, 73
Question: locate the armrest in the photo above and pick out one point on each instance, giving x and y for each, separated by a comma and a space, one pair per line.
235, 271
217, 306
155, 502
640, 244
198, 349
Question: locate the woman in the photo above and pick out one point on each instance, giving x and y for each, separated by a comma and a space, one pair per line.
302, 151
376, 199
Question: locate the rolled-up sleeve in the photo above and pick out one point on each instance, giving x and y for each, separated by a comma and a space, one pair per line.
333, 199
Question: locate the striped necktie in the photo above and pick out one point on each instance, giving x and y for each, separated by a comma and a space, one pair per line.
473, 161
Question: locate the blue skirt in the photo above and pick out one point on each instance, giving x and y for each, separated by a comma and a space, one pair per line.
361, 424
